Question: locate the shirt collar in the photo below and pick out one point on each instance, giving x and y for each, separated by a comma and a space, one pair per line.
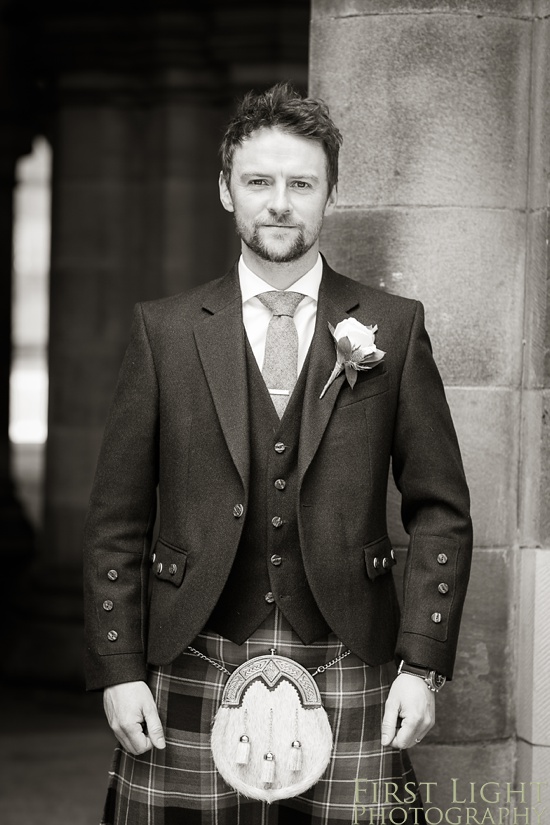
252, 285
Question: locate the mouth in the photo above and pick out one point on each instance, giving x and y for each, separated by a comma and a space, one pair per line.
279, 226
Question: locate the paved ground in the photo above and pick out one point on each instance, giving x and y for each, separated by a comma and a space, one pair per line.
55, 751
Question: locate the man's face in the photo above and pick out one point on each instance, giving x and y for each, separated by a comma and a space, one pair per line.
278, 193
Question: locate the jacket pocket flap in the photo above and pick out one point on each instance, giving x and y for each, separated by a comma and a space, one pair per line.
379, 557
169, 562
369, 383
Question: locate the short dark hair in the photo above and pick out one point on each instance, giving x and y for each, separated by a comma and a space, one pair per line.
283, 107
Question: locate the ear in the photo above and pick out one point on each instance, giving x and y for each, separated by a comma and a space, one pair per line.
332, 200
225, 194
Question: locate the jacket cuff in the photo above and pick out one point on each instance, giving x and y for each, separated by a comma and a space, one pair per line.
102, 671
424, 652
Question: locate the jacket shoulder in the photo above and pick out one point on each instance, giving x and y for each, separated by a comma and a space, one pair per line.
373, 297
185, 300
184, 307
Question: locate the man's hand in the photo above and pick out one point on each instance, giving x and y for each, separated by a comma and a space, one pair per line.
411, 700
132, 714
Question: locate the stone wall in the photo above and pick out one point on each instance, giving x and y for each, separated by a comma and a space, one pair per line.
443, 197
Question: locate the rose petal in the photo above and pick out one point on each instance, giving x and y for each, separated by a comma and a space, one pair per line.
358, 333
377, 355
363, 351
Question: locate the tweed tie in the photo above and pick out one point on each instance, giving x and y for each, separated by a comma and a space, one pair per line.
280, 369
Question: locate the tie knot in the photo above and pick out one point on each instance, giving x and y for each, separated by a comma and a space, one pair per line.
281, 303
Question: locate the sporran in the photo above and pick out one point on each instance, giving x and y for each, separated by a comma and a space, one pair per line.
271, 737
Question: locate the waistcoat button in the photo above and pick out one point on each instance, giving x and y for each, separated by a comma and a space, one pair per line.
238, 510
275, 559
280, 484
277, 521
436, 617
173, 569
269, 597
107, 604
112, 575
443, 587
442, 558
280, 447
112, 635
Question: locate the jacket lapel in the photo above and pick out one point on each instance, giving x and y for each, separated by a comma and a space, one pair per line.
220, 339
337, 297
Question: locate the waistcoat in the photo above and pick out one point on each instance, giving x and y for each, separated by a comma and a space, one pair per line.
268, 568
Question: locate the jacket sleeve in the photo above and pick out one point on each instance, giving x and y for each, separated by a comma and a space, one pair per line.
120, 520
428, 471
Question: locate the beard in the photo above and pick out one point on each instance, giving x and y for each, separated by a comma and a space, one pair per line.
297, 248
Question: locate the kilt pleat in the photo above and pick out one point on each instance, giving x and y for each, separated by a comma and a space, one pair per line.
364, 782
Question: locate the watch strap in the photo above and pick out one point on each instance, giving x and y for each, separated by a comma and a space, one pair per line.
434, 680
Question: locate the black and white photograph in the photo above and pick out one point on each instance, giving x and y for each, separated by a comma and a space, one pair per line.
275, 418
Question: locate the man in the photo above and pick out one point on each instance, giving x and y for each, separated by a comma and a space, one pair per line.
272, 495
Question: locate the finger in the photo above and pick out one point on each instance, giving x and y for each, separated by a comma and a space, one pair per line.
389, 722
154, 730
133, 738
409, 734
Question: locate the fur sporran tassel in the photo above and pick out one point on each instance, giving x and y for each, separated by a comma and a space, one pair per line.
296, 756
268, 768
243, 750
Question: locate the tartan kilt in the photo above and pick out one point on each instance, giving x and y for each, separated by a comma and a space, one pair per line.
181, 786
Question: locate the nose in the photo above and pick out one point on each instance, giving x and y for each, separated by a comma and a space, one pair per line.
279, 203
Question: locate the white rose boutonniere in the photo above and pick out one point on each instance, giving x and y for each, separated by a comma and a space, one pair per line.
355, 350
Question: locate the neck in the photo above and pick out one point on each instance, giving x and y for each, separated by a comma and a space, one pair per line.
280, 275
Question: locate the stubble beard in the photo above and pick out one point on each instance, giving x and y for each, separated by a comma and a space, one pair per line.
300, 245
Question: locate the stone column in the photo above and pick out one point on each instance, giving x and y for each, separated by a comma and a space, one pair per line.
533, 557
443, 196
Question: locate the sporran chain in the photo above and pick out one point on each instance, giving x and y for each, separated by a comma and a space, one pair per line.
320, 669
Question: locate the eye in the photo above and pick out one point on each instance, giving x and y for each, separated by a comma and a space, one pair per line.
301, 184
257, 182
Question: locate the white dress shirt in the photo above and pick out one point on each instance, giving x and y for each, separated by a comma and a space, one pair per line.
256, 316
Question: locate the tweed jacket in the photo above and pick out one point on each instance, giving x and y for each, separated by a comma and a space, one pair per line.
177, 440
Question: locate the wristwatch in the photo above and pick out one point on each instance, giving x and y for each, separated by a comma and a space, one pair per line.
434, 680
